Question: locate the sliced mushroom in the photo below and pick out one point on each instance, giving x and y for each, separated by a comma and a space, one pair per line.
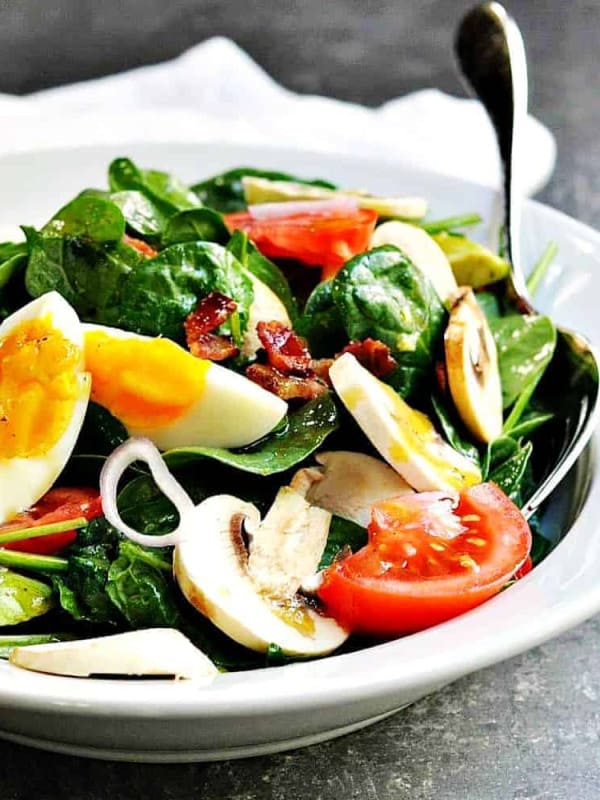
348, 484
422, 250
266, 307
248, 596
288, 544
261, 190
472, 366
155, 652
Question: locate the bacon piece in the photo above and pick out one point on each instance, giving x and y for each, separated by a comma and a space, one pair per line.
142, 247
212, 311
286, 351
321, 367
213, 347
373, 355
288, 387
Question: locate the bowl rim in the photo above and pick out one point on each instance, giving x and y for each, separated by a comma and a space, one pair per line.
338, 678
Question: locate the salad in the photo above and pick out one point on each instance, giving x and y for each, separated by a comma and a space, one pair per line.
256, 419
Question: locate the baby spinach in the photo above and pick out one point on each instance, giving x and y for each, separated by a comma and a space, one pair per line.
343, 534
140, 586
165, 191
82, 588
155, 298
89, 218
381, 294
525, 348
13, 258
321, 323
91, 275
506, 463
225, 192
253, 260
141, 215
453, 429
195, 225
304, 432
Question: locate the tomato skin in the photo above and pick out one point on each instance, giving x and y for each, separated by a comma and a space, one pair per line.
370, 595
321, 239
57, 505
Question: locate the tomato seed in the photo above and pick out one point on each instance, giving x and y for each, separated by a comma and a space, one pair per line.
437, 546
476, 541
471, 518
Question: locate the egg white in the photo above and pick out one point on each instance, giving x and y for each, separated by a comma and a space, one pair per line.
231, 410
24, 480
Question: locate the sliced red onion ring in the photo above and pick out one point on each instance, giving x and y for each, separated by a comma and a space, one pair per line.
125, 455
340, 205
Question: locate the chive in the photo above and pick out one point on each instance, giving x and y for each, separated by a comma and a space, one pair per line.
450, 223
20, 535
32, 561
537, 273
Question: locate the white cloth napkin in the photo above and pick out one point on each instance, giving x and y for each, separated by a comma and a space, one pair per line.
215, 91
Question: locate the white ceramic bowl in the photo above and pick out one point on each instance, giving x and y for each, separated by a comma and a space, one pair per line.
268, 710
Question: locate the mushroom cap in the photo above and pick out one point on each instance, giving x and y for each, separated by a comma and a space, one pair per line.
256, 607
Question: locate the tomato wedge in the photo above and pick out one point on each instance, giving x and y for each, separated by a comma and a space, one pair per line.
426, 563
58, 505
324, 239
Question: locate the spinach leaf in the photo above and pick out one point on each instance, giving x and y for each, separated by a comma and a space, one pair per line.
13, 258
453, 430
253, 260
525, 347
489, 304
381, 294
140, 586
82, 589
89, 218
507, 463
156, 298
13, 261
343, 534
305, 431
140, 213
530, 422
321, 323
195, 225
225, 193
165, 191
89, 276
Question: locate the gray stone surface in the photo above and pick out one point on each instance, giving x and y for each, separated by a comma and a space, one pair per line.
524, 730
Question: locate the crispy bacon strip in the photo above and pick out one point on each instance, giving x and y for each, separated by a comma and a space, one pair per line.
286, 351
291, 373
373, 355
212, 311
288, 387
142, 247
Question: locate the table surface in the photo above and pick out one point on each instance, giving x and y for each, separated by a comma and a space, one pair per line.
523, 730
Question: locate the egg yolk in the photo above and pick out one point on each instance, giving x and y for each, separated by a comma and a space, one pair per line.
144, 383
38, 388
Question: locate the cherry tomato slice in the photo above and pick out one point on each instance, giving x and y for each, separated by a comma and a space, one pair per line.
324, 239
412, 574
58, 505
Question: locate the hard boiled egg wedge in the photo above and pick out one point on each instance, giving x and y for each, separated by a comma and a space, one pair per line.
406, 438
158, 390
44, 392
